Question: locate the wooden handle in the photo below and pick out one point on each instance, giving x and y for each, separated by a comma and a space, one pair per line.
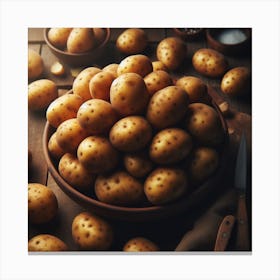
242, 241
224, 233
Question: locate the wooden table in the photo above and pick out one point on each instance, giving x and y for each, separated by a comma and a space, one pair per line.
165, 233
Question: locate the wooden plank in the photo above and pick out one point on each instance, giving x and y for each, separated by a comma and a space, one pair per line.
36, 35
35, 46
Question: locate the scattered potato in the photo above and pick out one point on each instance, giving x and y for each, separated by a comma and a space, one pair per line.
35, 64
59, 36
112, 68
129, 95
157, 80
171, 52
130, 134
99, 35
57, 69
80, 40
91, 232
158, 65
54, 149
42, 203
170, 145
132, 41
97, 116
46, 243
119, 188
167, 107
63, 108
41, 93
140, 244
210, 63
165, 185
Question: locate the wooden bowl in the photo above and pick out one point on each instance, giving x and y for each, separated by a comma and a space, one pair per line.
189, 34
79, 59
139, 214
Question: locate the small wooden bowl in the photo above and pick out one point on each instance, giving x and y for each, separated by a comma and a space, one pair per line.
139, 214
79, 59
189, 34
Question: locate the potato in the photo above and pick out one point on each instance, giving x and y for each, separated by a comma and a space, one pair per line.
46, 243
140, 244
130, 134
97, 116
112, 68
158, 65
57, 69
165, 185
209, 62
171, 52
59, 36
54, 149
100, 84
41, 93
70, 134
75, 174
129, 95
167, 107
91, 232
137, 63
132, 41
137, 164
119, 188
194, 87
81, 82
35, 64
99, 35
63, 108
202, 163
157, 80
97, 154
170, 145
80, 40
204, 124
236, 82
42, 203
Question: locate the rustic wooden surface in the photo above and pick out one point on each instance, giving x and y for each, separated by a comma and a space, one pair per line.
166, 233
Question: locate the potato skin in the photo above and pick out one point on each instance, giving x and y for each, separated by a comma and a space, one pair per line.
80, 40
91, 232
130, 134
112, 68
41, 93
42, 204
35, 64
54, 149
58, 36
99, 35
167, 107
158, 65
170, 146
119, 188
165, 185
209, 62
140, 244
46, 243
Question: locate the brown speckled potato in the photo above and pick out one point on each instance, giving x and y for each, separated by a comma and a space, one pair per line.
158, 65
236, 82
35, 64
91, 232
41, 93
167, 107
99, 36
42, 203
138, 164
73, 172
131, 134
46, 243
63, 108
137, 63
99, 85
157, 80
97, 154
165, 185
81, 82
58, 36
171, 52
54, 149
209, 62
80, 40
140, 244
119, 188
129, 95
170, 145
132, 41
97, 116
202, 163
204, 124
194, 87
112, 68
70, 134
